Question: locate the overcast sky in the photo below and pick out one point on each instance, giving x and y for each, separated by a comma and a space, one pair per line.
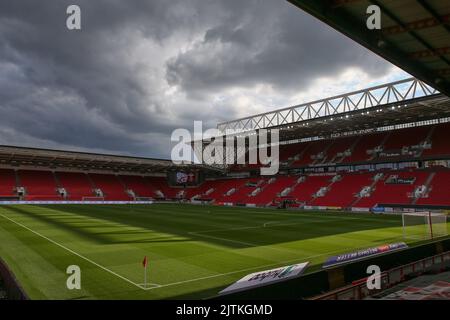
138, 69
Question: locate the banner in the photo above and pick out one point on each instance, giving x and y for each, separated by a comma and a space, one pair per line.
361, 254
360, 209
74, 202
395, 179
263, 278
378, 209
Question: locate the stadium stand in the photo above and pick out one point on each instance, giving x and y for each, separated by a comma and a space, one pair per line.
161, 187
344, 192
391, 188
439, 142
336, 152
111, 187
7, 182
77, 185
406, 137
439, 189
305, 191
312, 152
364, 144
363, 180
39, 185
138, 186
272, 189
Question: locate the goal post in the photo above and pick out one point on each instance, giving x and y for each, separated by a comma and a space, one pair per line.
424, 225
91, 198
143, 198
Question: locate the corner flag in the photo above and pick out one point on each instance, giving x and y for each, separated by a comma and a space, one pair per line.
145, 262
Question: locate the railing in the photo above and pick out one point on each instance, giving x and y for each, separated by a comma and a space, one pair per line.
395, 92
359, 290
13, 289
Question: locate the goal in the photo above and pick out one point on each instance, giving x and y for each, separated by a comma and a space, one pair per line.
143, 199
93, 198
424, 225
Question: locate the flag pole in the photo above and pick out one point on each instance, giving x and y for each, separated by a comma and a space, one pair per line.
145, 276
145, 263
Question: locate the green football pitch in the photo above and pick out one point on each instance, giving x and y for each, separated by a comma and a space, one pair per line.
193, 251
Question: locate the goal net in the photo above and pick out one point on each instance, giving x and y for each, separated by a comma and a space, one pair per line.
143, 198
424, 225
93, 198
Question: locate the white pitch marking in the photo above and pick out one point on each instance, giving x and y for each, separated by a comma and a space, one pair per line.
157, 286
223, 239
253, 268
79, 255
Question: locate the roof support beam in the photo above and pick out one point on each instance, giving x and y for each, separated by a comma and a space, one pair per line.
354, 27
428, 53
411, 32
417, 25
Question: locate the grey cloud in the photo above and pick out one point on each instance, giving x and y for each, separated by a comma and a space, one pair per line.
138, 69
278, 45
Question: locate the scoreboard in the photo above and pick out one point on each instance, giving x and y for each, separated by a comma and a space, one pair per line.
184, 178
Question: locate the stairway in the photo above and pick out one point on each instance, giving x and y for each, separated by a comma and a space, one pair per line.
427, 186
16, 175
56, 178
328, 188
352, 147
321, 161
372, 188
381, 144
428, 139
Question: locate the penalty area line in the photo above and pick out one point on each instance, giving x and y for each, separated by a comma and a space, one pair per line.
154, 285
279, 263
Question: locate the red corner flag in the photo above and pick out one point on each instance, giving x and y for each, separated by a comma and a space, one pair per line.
145, 262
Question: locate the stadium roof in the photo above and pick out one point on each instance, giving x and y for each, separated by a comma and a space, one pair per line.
58, 159
399, 102
414, 35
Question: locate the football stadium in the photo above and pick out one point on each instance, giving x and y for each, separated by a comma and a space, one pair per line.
363, 181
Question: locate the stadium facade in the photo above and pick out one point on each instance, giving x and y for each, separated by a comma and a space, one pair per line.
377, 148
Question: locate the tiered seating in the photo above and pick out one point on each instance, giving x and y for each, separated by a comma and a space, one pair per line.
439, 139
224, 186
76, 184
394, 193
160, 183
219, 186
406, 137
290, 150
270, 190
440, 190
39, 185
304, 191
342, 192
200, 190
139, 185
338, 146
312, 149
7, 182
111, 187
242, 191
368, 142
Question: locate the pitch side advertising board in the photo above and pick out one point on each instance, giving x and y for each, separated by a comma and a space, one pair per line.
263, 278
361, 254
74, 202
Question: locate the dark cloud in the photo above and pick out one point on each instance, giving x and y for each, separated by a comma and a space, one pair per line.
275, 44
138, 69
